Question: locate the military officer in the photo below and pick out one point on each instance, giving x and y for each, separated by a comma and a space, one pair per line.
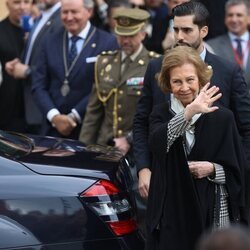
118, 83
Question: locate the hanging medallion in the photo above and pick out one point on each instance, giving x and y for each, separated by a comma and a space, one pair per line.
65, 89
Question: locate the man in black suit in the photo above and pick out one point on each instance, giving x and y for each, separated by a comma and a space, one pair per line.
190, 27
48, 22
11, 45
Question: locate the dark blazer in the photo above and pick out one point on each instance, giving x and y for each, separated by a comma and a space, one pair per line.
50, 74
11, 91
235, 96
32, 113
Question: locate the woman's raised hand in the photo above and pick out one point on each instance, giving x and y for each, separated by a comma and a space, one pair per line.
203, 102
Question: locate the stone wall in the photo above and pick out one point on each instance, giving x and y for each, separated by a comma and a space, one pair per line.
3, 9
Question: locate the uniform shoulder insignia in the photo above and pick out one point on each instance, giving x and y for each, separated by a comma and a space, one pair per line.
104, 53
110, 52
106, 56
154, 54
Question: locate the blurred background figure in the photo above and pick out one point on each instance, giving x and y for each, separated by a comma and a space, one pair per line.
98, 12
35, 11
24, 67
231, 238
157, 25
137, 3
217, 12
113, 7
11, 45
235, 44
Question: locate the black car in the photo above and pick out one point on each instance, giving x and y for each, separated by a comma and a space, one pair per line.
58, 194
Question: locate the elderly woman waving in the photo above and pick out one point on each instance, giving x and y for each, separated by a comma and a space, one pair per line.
198, 163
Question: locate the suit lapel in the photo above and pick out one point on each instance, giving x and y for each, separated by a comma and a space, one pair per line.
46, 26
227, 48
58, 50
247, 71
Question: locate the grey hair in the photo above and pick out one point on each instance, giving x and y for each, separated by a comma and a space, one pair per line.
231, 3
88, 4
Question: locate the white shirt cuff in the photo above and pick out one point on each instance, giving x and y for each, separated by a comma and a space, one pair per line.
52, 113
76, 114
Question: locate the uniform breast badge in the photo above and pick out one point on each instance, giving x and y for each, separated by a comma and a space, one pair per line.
108, 67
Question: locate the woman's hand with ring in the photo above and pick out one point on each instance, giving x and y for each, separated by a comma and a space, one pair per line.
203, 102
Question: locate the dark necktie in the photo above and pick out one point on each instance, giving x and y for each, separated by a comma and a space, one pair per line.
73, 50
125, 64
239, 48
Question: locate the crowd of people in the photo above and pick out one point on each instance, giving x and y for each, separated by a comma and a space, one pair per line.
151, 78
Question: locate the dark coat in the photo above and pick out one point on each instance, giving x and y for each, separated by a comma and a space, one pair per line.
50, 75
11, 91
181, 205
235, 96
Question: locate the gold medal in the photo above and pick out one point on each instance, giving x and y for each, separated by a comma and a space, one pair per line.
108, 67
107, 78
104, 60
141, 62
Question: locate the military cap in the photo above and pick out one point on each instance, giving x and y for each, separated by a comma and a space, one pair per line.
129, 21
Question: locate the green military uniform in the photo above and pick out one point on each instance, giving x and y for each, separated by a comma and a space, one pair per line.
114, 97
117, 87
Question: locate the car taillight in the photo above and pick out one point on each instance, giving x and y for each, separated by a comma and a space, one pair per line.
123, 227
105, 199
100, 188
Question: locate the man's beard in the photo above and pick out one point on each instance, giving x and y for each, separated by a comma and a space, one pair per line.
182, 44
195, 45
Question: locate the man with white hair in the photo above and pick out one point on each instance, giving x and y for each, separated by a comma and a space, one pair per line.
65, 70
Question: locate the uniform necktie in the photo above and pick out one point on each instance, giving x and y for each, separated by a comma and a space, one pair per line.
73, 49
239, 48
126, 63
